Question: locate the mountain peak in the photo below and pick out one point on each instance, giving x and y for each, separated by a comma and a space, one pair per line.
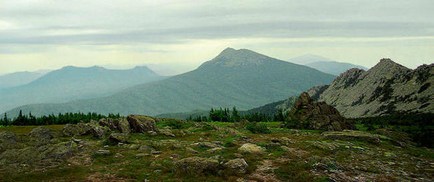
388, 69
235, 58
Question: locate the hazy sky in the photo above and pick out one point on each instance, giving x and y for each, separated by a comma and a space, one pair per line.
50, 34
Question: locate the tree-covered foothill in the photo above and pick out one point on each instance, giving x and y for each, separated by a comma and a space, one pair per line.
71, 118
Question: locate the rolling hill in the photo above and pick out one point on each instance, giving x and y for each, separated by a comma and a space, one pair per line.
324, 64
332, 67
241, 78
71, 83
18, 78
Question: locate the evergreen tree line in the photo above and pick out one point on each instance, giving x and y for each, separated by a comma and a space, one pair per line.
71, 118
227, 115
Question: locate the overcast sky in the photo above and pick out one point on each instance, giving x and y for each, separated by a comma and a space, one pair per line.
50, 34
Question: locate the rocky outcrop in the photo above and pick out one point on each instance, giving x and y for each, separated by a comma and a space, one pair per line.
317, 115
41, 135
34, 154
195, 166
8, 140
123, 125
77, 129
112, 124
141, 124
97, 130
119, 137
103, 127
386, 88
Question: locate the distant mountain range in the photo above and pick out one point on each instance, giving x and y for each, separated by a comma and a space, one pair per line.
71, 83
386, 88
325, 65
18, 78
241, 78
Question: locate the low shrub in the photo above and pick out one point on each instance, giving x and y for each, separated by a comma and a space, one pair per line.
257, 128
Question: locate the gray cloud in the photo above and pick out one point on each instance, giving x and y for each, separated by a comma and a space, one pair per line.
289, 29
173, 21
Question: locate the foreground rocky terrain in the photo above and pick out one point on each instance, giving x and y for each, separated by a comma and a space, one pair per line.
138, 148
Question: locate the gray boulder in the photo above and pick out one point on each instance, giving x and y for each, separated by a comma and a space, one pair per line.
76, 130
119, 137
237, 165
141, 124
8, 140
195, 166
123, 125
251, 148
41, 136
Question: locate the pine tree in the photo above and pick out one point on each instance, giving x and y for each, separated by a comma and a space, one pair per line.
235, 115
6, 120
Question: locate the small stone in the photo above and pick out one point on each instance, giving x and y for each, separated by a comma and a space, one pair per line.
154, 152
103, 152
152, 133
189, 149
142, 155
237, 155
214, 150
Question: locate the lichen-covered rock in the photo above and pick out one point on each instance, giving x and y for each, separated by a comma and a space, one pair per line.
317, 115
119, 137
123, 125
8, 140
208, 145
145, 149
41, 135
251, 148
237, 165
109, 122
98, 130
167, 132
214, 150
33, 154
76, 130
141, 124
195, 165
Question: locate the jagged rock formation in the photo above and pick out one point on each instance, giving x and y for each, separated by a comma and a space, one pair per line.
386, 88
317, 115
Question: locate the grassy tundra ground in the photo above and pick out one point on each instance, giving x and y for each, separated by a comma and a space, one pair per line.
289, 155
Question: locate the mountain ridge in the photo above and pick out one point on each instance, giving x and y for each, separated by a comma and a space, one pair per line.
70, 83
386, 88
213, 84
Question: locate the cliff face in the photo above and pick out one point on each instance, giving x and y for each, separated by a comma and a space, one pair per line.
386, 88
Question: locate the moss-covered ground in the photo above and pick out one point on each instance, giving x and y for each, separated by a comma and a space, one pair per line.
290, 155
